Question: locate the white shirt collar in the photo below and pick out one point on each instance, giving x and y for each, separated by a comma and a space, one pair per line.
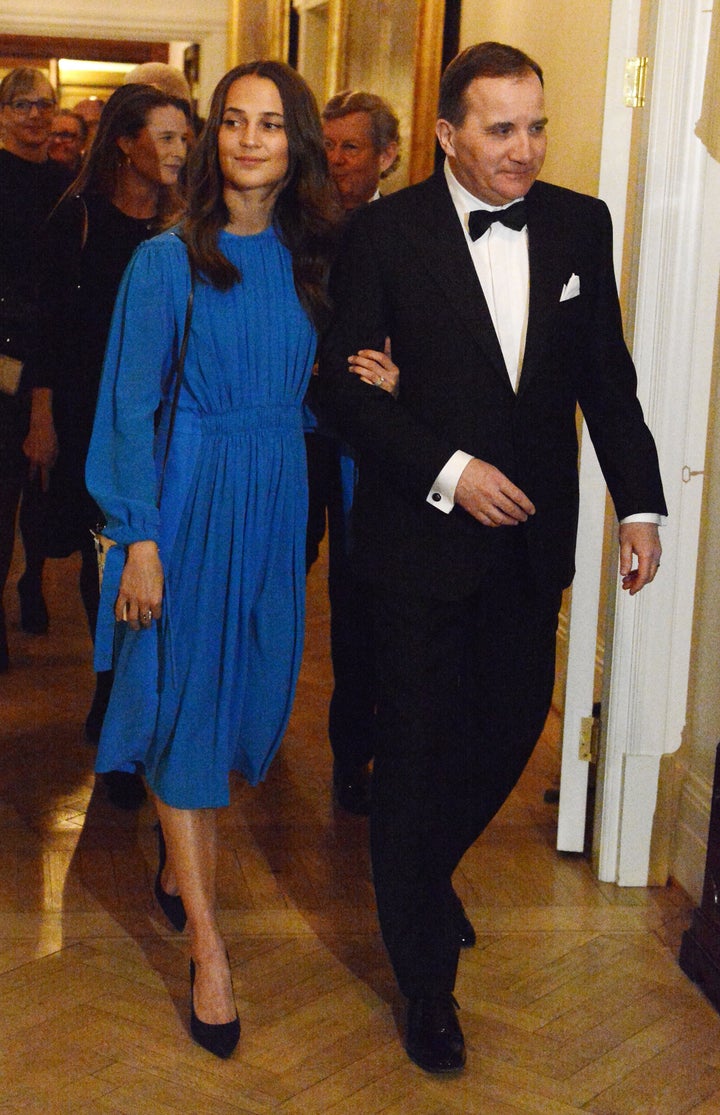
464, 201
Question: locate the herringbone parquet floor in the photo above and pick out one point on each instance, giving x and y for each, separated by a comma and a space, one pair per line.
571, 1002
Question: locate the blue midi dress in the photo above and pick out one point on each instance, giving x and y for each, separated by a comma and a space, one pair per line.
208, 688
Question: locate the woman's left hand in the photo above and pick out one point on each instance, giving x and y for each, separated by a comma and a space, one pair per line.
139, 600
376, 368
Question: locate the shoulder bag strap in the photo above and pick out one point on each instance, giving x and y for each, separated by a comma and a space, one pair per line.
179, 372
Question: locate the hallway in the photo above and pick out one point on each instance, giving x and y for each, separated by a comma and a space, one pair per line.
571, 1002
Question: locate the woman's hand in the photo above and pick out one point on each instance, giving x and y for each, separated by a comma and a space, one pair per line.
41, 444
377, 368
139, 600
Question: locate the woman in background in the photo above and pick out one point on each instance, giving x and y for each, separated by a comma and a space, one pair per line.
125, 193
207, 582
30, 185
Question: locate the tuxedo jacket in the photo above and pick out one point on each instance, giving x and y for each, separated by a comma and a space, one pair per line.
404, 271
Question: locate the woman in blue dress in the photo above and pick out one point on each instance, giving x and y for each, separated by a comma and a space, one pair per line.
203, 595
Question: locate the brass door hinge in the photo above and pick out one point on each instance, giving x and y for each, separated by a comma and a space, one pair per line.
589, 739
635, 80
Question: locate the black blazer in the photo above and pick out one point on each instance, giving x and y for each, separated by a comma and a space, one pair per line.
404, 270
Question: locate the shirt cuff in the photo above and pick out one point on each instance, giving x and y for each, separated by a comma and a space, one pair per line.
442, 493
645, 517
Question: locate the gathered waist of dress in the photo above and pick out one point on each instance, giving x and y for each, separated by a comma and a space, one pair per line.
285, 417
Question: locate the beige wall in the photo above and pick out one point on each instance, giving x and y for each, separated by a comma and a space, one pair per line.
702, 731
569, 38
691, 776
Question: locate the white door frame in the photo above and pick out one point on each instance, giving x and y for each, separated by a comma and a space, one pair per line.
673, 338
584, 619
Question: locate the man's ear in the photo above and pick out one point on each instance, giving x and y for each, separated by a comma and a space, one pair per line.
445, 133
388, 156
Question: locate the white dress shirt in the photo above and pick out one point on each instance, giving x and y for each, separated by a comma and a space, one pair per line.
500, 258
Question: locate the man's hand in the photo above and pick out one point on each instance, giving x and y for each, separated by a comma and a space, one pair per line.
643, 541
487, 494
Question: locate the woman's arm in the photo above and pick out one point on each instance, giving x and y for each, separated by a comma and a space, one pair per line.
121, 470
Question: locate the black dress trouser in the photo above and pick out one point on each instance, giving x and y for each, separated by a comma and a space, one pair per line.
464, 688
351, 721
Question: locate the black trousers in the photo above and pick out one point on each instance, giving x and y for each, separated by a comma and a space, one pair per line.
351, 723
464, 688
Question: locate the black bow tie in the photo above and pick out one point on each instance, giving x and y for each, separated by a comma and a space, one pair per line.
479, 220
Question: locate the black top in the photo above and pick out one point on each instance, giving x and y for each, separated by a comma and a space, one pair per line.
85, 249
28, 192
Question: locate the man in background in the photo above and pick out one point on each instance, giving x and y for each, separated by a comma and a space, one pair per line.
68, 140
362, 142
90, 108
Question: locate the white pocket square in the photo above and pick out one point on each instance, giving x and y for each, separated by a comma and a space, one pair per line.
571, 288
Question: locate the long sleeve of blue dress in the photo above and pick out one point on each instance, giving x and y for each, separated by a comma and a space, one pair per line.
121, 470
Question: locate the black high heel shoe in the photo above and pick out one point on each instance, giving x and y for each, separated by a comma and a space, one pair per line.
170, 904
219, 1038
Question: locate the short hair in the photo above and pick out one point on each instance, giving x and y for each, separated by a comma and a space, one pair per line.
384, 124
481, 60
22, 79
69, 112
166, 78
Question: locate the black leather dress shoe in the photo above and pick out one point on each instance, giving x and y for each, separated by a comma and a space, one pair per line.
351, 787
434, 1040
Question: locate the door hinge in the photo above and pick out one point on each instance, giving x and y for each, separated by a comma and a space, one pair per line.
635, 81
589, 739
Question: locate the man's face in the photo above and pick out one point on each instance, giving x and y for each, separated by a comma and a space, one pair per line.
66, 141
499, 149
355, 165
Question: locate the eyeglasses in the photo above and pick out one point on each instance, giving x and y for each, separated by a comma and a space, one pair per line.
24, 107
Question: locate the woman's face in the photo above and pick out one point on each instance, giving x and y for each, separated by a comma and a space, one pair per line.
25, 122
252, 140
158, 151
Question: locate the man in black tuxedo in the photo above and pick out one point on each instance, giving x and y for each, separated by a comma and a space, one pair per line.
466, 513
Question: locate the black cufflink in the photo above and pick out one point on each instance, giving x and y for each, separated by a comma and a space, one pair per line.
436, 497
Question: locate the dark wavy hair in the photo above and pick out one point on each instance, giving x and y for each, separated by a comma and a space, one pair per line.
306, 213
480, 60
125, 114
